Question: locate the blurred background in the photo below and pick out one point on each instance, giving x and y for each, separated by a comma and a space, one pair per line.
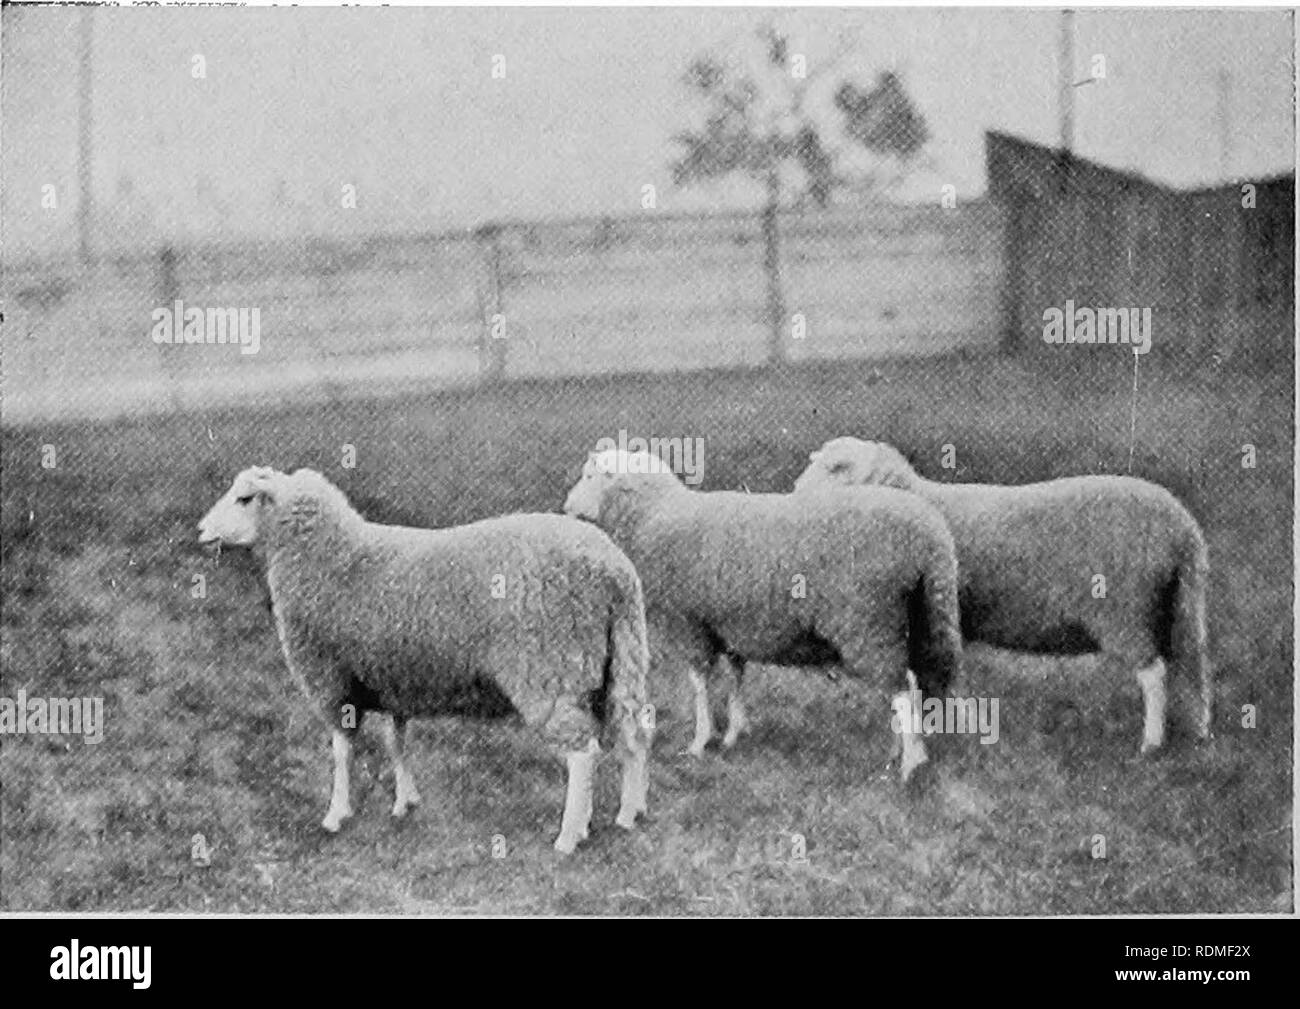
453, 196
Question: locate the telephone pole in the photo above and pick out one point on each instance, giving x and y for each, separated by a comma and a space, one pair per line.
1224, 115
1065, 72
85, 202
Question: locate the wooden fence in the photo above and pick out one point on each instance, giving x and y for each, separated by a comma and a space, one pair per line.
510, 300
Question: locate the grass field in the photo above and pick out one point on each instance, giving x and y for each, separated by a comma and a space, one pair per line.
205, 735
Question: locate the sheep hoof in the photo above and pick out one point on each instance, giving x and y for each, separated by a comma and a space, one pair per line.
626, 819
917, 779
566, 845
405, 801
334, 820
911, 763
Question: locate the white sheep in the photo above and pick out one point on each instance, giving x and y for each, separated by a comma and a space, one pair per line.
1109, 564
417, 622
865, 581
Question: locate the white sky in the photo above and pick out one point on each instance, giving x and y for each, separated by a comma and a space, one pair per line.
401, 103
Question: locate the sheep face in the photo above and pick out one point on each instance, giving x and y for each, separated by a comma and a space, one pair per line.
234, 519
850, 462
602, 472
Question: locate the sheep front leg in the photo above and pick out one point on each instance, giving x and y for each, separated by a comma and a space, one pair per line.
340, 801
1152, 681
576, 821
394, 732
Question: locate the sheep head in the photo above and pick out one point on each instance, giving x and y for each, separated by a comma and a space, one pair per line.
234, 519
850, 462
267, 509
612, 473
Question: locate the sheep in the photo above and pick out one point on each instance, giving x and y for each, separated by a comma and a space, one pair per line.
868, 582
538, 610
1108, 564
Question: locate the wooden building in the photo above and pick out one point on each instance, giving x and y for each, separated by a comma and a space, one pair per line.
1216, 266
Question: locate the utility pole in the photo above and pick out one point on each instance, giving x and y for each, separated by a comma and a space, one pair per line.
1065, 73
1224, 87
1234, 244
85, 202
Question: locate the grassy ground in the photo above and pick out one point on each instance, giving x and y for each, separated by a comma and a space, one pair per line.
205, 735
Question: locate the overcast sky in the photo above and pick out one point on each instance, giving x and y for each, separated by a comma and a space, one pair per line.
401, 103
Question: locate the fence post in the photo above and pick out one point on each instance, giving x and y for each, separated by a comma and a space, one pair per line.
168, 293
492, 337
167, 289
772, 268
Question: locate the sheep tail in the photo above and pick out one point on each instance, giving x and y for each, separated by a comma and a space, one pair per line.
628, 718
1188, 647
934, 629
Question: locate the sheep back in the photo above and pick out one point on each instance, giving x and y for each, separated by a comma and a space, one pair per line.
767, 576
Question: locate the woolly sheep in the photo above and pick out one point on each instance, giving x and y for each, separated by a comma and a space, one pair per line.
416, 622
1030, 557
866, 581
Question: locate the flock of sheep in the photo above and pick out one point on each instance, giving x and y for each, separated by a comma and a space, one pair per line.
865, 566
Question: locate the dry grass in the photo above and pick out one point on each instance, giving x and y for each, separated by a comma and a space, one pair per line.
206, 736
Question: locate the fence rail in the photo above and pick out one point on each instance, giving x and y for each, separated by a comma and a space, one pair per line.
510, 300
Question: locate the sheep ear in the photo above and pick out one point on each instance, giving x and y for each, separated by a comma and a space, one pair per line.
890, 470
263, 485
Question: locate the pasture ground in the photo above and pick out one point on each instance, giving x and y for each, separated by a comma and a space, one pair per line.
206, 736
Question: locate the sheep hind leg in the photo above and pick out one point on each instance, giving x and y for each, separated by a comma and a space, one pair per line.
636, 786
1154, 698
909, 745
578, 801
703, 715
340, 800
636, 730
737, 718
394, 732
